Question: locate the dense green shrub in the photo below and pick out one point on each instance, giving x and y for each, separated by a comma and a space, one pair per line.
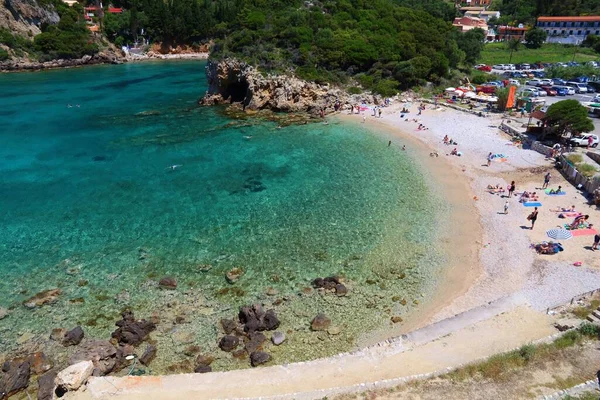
4, 55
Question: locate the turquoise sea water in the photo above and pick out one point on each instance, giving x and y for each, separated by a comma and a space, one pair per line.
89, 205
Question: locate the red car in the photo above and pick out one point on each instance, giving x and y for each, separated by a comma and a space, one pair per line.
488, 89
484, 67
549, 91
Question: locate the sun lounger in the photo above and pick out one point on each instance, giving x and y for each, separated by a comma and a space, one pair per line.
532, 204
561, 193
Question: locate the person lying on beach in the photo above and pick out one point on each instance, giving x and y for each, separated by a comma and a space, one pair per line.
579, 222
527, 197
434, 154
446, 139
563, 209
496, 189
557, 191
548, 248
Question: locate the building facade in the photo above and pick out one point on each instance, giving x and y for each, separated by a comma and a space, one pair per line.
505, 33
569, 30
484, 15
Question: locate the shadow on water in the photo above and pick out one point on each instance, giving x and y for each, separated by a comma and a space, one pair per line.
128, 82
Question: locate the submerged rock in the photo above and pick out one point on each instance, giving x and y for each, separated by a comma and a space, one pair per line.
3, 313
396, 319
58, 334
202, 369
320, 323
256, 341
167, 282
255, 318
228, 325
234, 275
73, 337
15, 377
72, 377
46, 297
258, 358
132, 331
228, 343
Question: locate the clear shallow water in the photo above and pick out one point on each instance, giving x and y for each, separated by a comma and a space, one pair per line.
87, 204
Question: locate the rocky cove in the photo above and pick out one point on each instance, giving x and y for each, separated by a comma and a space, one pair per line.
235, 82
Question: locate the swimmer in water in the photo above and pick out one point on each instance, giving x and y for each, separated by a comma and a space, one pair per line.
404, 147
173, 167
325, 123
247, 137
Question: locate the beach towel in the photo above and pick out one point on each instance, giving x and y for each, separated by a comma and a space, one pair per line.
561, 193
532, 204
584, 232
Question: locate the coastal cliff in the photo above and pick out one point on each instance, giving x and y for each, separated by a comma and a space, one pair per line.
25, 17
107, 56
232, 81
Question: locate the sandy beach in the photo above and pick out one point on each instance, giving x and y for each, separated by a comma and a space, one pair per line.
508, 266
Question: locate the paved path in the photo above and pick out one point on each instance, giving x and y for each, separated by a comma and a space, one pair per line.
443, 345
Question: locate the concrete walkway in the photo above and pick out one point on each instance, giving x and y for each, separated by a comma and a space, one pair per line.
450, 343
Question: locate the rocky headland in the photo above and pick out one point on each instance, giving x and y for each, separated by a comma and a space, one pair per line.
235, 82
23, 64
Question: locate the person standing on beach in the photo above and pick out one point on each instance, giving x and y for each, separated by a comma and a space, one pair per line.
489, 159
533, 217
511, 189
389, 143
596, 242
506, 207
379, 113
546, 180
364, 118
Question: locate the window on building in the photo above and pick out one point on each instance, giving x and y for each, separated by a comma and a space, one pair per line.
570, 32
579, 33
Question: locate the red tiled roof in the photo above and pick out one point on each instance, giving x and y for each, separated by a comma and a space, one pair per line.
590, 18
115, 10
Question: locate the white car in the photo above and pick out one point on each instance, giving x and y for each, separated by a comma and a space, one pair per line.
530, 92
579, 87
596, 99
583, 140
499, 66
534, 82
570, 90
546, 82
514, 82
510, 67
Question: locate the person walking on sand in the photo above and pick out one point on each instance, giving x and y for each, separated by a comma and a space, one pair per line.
546, 180
506, 207
489, 159
511, 189
596, 242
533, 217
379, 113
364, 118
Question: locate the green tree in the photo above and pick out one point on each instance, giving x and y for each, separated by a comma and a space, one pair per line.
471, 42
502, 94
568, 116
535, 37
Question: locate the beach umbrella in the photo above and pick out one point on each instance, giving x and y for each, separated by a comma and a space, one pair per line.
559, 234
450, 89
470, 95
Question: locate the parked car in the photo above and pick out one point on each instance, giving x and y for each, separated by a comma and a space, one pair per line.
537, 65
595, 85
523, 66
560, 90
539, 74
572, 64
514, 82
578, 87
590, 89
549, 91
546, 82
499, 66
510, 67
483, 67
558, 81
582, 140
596, 99
561, 64
593, 64
530, 92
581, 79
534, 82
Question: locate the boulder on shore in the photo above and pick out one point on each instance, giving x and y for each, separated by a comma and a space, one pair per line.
73, 337
46, 385
258, 358
148, 355
278, 338
46, 297
255, 319
102, 354
72, 377
15, 377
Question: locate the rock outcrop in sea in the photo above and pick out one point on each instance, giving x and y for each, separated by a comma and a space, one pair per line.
233, 81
